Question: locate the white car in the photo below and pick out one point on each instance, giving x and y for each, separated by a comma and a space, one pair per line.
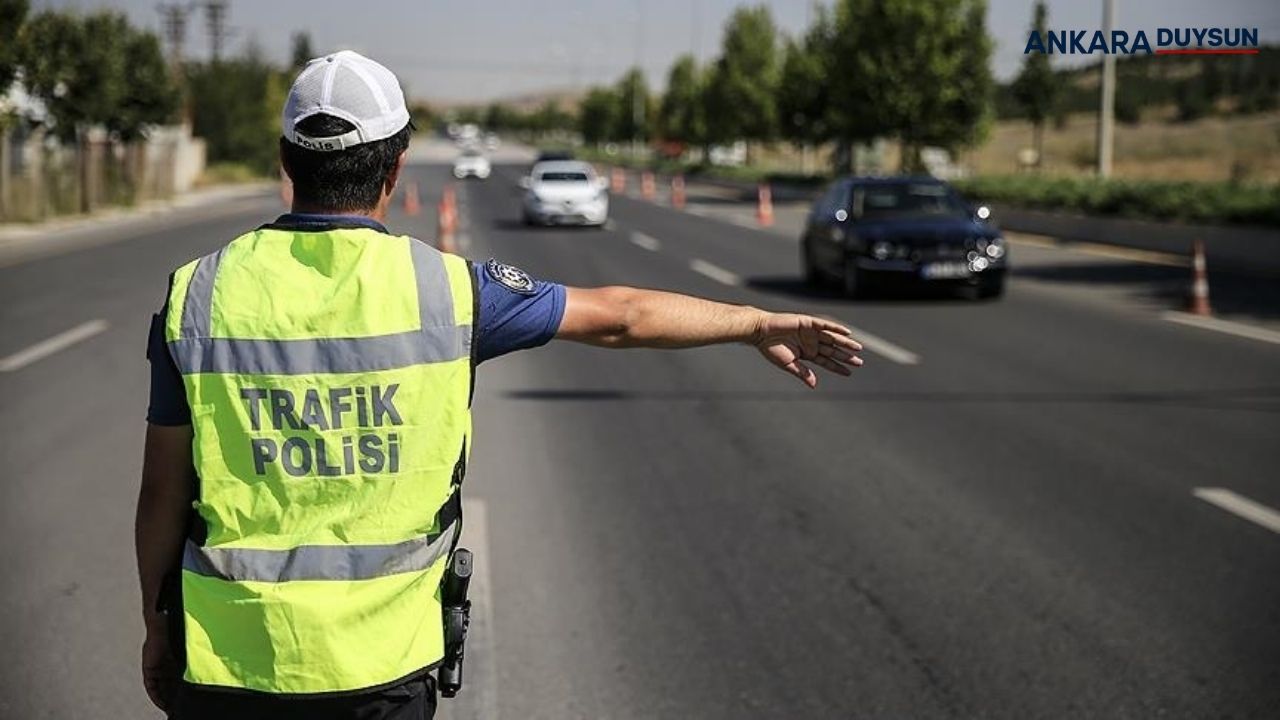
564, 192
471, 164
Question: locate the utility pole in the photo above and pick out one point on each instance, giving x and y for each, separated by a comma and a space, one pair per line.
173, 21
637, 103
215, 18
1107, 107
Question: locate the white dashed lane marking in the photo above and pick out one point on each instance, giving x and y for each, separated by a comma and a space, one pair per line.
880, 346
1240, 506
715, 272
645, 241
45, 348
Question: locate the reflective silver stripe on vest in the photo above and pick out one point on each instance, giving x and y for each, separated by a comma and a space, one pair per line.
435, 294
321, 355
438, 339
319, 562
197, 307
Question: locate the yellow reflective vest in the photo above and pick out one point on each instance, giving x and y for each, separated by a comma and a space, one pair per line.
329, 377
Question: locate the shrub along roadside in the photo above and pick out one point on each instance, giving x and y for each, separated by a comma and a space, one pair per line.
1202, 202
743, 173
1198, 202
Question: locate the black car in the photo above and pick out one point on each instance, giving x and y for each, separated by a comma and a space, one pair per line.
903, 230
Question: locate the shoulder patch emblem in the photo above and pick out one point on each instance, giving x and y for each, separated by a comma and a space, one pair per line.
510, 277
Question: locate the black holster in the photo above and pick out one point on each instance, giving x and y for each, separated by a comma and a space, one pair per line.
457, 618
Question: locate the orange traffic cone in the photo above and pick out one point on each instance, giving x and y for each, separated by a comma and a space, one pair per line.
447, 220
677, 192
617, 181
764, 205
1198, 303
412, 204
647, 189
450, 200
444, 226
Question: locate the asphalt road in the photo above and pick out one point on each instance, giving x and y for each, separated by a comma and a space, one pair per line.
994, 518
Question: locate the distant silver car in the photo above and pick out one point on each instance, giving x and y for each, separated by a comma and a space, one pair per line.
564, 192
471, 163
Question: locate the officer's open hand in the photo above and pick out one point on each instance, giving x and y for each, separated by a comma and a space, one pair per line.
791, 341
159, 669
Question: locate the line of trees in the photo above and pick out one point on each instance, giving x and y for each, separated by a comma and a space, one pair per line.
95, 72
91, 71
917, 71
548, 118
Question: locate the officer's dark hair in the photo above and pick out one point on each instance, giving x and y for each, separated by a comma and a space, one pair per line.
343, 180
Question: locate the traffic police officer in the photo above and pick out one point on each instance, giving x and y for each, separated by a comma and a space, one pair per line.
310, 424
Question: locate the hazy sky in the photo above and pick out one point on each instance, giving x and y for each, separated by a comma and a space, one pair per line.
482, 49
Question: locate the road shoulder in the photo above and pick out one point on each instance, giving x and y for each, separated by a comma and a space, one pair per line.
24, 242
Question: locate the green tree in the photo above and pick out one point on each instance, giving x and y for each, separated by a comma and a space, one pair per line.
76, 66
740, 97
500, 117
634, 107
96, 71
1036, 89
12, 13
549, 117
680, 116
1194, 100
803, 98
597, 115
301, 50
235, 107
150, 97
423, 115
1128, 110
469, 116
915, 70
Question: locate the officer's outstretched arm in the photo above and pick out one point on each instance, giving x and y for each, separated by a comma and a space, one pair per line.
625, 317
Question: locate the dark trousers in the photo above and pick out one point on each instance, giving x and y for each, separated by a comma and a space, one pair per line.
413, 699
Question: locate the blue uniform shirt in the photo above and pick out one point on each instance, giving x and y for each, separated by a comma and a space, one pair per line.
516, 312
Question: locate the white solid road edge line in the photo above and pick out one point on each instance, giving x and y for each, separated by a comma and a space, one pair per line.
715, 272
1252, 332
645, 241
879, 345
1241, 506
480, 695
45, 348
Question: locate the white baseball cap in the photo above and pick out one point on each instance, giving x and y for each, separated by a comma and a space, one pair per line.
350, 86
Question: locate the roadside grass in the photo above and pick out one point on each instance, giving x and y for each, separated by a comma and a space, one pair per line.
1201, 202
1213, 170
1241, 148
